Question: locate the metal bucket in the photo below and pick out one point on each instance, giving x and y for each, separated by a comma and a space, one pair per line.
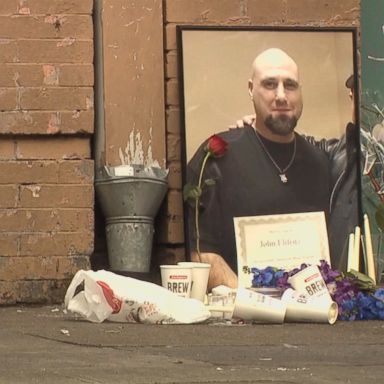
129, 243
130, 196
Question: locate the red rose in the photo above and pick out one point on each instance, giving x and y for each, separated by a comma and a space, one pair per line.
216, 146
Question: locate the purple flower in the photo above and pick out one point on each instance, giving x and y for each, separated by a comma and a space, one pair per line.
355, 300
329, 275
282, 280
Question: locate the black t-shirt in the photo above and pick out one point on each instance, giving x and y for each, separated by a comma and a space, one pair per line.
247, 183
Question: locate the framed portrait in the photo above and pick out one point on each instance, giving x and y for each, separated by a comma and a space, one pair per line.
215, 64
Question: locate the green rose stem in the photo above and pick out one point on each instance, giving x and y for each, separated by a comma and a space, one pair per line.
207, 156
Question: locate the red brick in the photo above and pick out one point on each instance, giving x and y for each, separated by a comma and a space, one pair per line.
77, 172
44, 172
172, 93
213, 11
8, 196
56, 244
7, 149
77, 122
263, 12
8, 99
14, 268
171, 230
49, 26
174, 203
53, 148
7, 75
8, 7
173, 120
67, 98
175, 175
46, 123
170, 37
54, 51
8, 50
174, 148
34, 7
168, 255
16, 172
76, 74
9, 244
35, 75
333, 12
56, 196
33, 291
43, 220
171, 65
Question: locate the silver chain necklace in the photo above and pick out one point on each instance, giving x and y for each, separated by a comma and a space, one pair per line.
283, 176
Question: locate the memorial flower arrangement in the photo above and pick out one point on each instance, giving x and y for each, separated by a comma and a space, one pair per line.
354, 292
372, 150
215, 147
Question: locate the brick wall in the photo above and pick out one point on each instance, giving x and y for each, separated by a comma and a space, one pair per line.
323, 13
46, 123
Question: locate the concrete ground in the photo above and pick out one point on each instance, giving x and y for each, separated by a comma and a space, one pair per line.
45, 345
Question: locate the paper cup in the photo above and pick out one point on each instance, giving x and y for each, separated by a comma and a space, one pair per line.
302, 308
256, 307
200, 275
177, 279
310, 282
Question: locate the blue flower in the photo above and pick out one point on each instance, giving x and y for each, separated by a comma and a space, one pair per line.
379, 294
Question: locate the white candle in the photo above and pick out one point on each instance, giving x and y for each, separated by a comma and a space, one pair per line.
356, 250
351, 244
368, 243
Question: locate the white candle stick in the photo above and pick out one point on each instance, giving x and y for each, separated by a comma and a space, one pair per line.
351, 244
356, 249
371, 270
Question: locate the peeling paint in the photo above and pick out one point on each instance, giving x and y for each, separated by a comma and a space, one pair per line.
5, 41
27, 117
134, 152
205, 14
10, 212
51, 74
75, 114
35, 189
54, 213
133, 22
24, 10
129, 24
56, 20
66, 42
54, 123
89, 102
19, 93
16, 77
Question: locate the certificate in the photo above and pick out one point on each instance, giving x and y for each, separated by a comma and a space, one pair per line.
282, 241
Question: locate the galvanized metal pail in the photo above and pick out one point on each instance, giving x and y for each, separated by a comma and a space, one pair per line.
129, 243
130, 196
